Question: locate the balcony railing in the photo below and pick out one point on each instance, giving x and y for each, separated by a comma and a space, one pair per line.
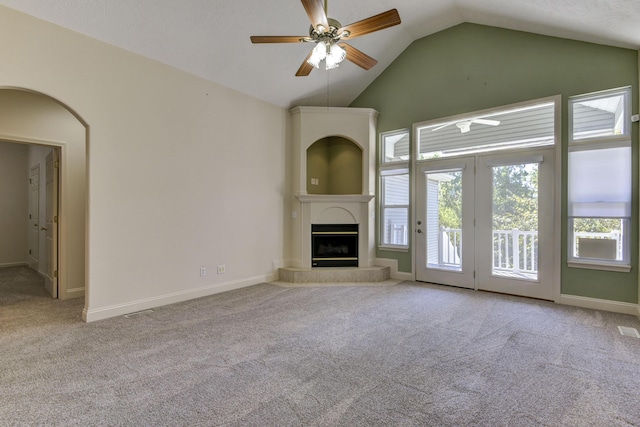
514, 251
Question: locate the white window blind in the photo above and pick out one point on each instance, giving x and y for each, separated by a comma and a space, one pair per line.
600, 183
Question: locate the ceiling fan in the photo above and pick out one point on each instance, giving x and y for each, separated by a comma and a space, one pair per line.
329, 35
465, 125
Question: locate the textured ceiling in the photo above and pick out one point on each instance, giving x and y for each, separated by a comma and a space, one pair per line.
210, 38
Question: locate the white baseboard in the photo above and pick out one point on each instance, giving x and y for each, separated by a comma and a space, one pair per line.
14, 264
93, 314
393, 265
600, 304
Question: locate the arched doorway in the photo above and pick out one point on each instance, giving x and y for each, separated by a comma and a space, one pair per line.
39, 120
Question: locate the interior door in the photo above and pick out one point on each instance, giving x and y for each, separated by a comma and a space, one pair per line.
444, 222
51, 224
34, 217
514, 223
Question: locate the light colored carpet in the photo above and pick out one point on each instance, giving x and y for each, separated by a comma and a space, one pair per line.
403, 354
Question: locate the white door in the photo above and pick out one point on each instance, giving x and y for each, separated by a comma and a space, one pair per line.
444, 222
34, 214
514, 223
51, 224
486, 222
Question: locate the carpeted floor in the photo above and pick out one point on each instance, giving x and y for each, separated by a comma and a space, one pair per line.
401, 354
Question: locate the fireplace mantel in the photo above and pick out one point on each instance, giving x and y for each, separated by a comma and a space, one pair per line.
334, 198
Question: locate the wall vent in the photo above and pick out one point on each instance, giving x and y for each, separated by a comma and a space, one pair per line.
137, 313
628, 332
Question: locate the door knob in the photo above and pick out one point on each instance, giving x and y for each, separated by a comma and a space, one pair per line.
419, 231
419, 222
43, 228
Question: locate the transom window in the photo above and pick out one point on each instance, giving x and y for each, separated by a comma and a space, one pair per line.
528, 125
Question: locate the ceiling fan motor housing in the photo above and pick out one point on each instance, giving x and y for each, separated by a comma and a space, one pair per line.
329, 34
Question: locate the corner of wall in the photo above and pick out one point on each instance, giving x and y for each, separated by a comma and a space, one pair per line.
393, 265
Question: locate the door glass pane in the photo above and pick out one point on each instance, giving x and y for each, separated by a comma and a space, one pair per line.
444, 219
515, 221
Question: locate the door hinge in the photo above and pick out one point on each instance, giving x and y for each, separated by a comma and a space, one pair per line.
55, 274
56, 164
29, 216
30, 181
474, 274
55, 219
29, 251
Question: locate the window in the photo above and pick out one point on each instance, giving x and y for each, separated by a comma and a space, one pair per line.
530, 124
395, 147
599, 193
394, 189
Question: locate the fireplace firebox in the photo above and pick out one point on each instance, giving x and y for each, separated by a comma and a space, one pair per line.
334, 245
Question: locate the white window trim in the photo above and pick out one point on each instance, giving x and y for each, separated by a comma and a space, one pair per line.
403, 169
625, 136
381, 157
389, 166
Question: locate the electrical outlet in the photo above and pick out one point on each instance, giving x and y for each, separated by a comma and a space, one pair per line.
221, 269
203, 271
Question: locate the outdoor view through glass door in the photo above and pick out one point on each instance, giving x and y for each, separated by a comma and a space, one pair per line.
485, 222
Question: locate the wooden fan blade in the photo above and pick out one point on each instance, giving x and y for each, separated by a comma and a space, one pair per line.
278, 39
305, 68
358, 57
378, 22
316, 13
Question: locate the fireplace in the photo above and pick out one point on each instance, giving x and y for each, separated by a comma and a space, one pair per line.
334, 245
334, 182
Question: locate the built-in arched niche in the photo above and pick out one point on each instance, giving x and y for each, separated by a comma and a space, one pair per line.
334, 166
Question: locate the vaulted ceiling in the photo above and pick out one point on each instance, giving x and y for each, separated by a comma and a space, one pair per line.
210, 38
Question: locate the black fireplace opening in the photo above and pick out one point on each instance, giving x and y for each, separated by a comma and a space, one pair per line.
334, 245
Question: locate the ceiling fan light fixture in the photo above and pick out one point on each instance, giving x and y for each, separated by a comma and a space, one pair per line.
318, 54
335, 56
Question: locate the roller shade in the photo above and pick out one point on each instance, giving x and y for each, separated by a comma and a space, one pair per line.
600, 183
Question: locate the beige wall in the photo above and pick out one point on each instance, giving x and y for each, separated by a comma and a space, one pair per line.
14, 204
182, 173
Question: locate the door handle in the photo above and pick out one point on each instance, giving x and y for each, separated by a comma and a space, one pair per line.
43, 228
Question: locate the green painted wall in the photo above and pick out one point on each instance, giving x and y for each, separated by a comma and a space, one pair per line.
472, 67
337, 163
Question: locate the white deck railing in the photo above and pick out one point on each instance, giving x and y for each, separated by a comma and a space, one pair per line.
513, 250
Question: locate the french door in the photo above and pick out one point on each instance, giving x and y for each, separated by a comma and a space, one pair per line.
487, 222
